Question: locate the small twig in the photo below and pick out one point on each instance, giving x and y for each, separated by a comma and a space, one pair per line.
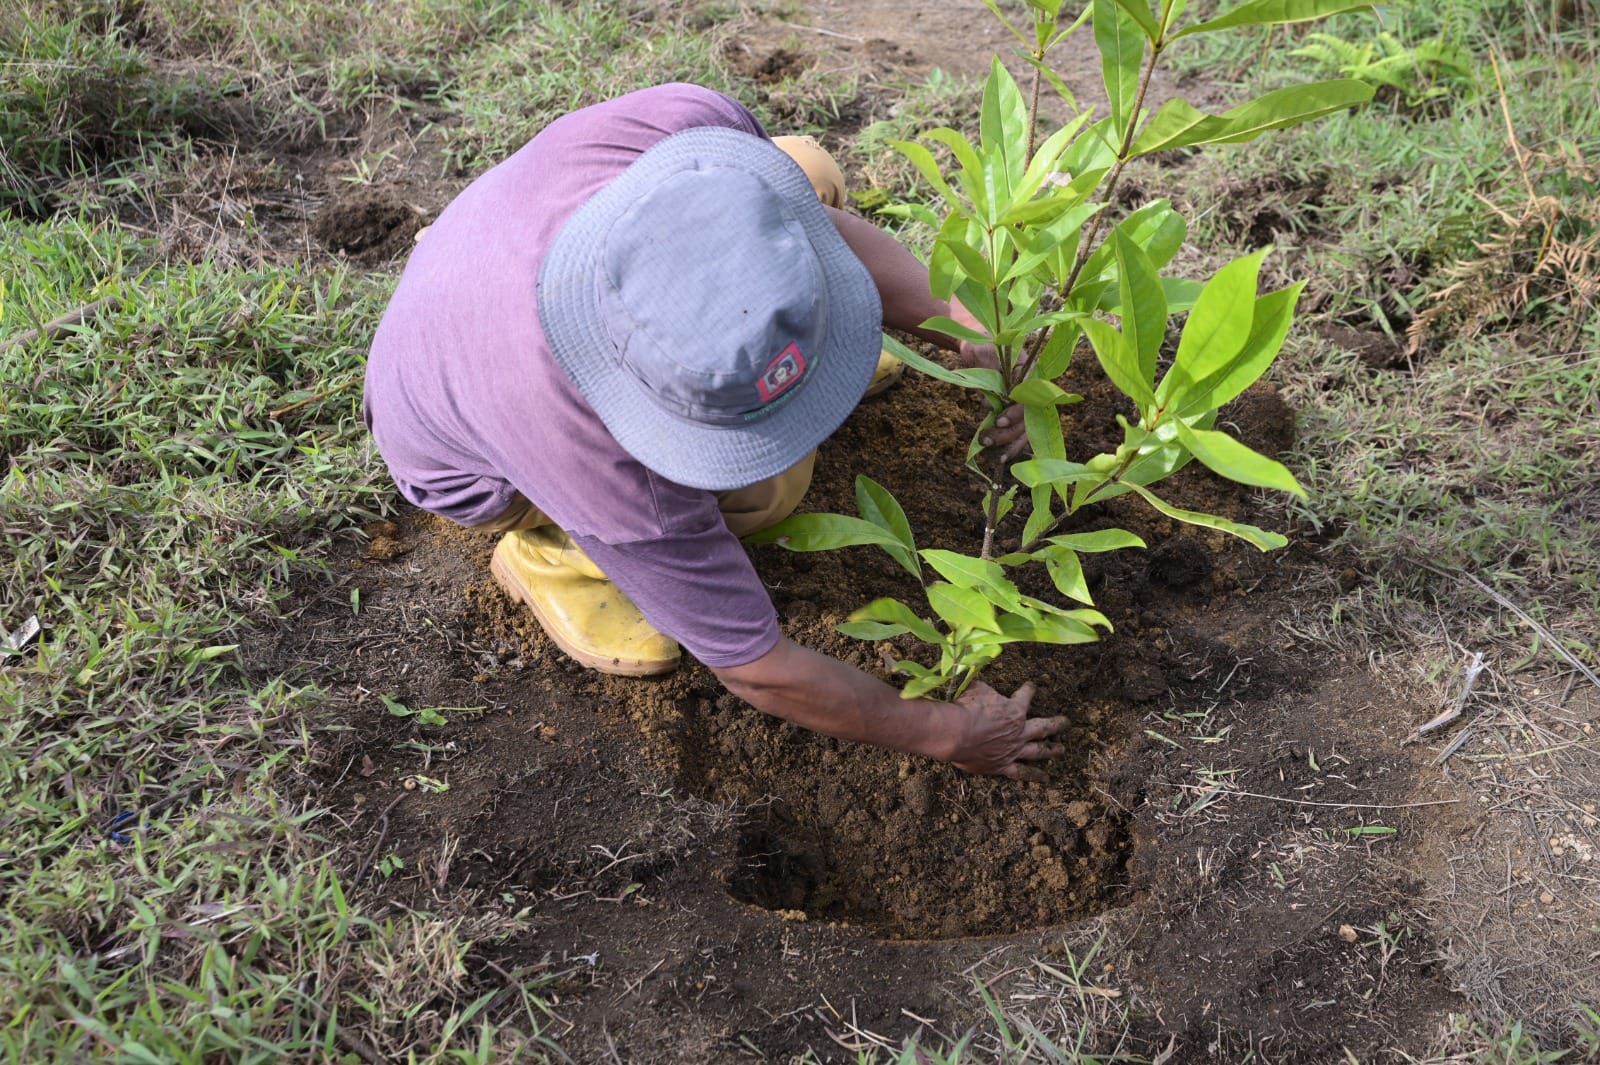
53, 329
291, 408
356, 1046
1331, 805
1474, 668
825, 33
1455, 745
383, 832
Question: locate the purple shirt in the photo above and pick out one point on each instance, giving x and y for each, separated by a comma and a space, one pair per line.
468, 406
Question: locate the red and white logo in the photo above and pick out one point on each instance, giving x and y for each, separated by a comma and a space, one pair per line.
783, 372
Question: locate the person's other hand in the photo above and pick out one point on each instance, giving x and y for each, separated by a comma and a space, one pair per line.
1000, 738
1009, 433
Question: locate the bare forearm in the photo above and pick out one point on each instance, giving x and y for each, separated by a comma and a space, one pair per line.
827, 696
902, 280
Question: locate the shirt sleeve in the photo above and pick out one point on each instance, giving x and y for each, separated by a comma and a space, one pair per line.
697, 586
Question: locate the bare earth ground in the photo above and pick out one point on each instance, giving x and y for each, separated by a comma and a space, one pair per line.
1240, 836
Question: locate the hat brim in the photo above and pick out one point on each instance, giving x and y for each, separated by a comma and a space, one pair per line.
688, 452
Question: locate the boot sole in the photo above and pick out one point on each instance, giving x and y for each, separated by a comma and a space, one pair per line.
621, 667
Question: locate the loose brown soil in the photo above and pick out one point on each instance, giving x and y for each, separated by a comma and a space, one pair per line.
703, 877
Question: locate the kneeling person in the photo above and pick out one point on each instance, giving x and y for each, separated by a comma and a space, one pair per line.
621, 347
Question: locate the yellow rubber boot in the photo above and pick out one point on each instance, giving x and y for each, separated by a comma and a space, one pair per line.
886, 376
584, 613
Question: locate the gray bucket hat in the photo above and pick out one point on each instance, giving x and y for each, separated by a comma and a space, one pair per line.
707, 308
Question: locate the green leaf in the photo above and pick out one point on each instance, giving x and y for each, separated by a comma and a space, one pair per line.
962, 607
1216, 330
1144, 304
971, 261
894, 612
1094, 543
1045, 240
1050, 472
1041, 517
1121, 43
1262, 539
1120, 361
1051, 628
951, 327
1224, 455
880, 508
1273, 12
1038, 391
1178, 124
823, 532
980, 378
870, 630
1273, 314
1066, 573
1002, 123
979, 574
883, 510
920, 686
1156, 228
971, 172
1181, 293
1140, 12
928, 167
1056, 355
1043, 162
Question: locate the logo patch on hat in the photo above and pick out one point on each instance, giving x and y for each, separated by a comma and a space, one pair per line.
783, 372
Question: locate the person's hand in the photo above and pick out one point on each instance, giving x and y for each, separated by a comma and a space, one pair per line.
1000, 738
1009, 433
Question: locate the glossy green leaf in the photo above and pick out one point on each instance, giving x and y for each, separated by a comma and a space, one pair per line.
1045, 240
920, 686
1066, 573
1217, 328
1143, 304
1091, 543
951, 327
1043, 162
1003, 125
1036, 472
1143, 17
980, 378
1056, 355
1036, 390
1261, 538
971, 167
971, 261
894, 612
928, 167
1040, 518
823, 532
1051, 628
1119, 360
1122, 46
1273, 314
1222, 454
1181, 293
962, 607
979, 574
870, 630
1156, 228
876, 505
1273, 12
1177, 124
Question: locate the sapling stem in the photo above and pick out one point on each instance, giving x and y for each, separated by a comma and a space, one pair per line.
1116, 171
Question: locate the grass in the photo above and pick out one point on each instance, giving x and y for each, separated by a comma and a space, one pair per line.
155, 508
172, 467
